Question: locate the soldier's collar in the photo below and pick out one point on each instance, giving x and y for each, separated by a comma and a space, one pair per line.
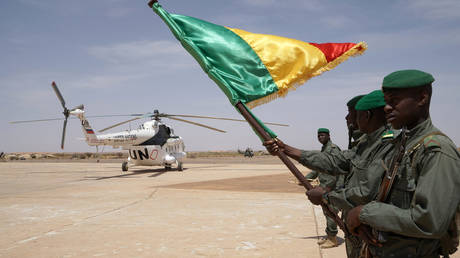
375, 135
420, 128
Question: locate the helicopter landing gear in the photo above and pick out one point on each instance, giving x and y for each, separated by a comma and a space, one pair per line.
124, 166
168, 167
179, 166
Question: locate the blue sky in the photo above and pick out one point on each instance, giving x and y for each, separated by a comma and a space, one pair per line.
118, 57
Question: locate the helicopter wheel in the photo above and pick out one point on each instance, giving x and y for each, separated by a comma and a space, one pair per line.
124, 166
167, 167
179, 166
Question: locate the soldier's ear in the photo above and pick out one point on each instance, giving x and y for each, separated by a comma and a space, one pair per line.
424, 98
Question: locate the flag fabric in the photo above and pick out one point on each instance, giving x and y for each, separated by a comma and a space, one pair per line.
254, 68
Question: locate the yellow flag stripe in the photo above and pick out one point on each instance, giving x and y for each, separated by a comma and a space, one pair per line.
287, 60
290, 62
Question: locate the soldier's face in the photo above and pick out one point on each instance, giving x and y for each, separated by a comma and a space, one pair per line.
323, 138
362, 119
351, 118
402, 107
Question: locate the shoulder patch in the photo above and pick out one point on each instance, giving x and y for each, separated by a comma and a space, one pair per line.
431, 142
388, 134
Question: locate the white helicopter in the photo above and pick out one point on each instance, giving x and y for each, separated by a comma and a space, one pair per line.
152, 144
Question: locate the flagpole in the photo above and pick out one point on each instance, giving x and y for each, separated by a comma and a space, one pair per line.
264, 135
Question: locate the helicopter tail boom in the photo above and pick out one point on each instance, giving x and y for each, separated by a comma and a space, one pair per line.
90, 135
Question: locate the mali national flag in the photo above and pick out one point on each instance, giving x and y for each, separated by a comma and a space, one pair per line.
254, 68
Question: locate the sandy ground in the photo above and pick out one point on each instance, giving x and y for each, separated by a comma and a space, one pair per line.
214, 208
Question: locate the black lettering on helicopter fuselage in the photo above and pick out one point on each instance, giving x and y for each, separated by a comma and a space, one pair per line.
133, 154
142, 154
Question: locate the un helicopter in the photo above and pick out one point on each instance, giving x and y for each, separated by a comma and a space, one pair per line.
152, 144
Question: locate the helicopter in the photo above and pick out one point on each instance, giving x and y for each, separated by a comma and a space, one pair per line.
153, 143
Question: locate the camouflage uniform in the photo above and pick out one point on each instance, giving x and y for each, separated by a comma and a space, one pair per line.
328, 182
423, 200
354, 163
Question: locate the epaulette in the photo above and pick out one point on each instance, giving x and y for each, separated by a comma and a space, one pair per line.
431, 141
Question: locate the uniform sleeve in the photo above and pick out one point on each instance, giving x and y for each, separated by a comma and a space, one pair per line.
333, 163
364, 188
312, 175
432, 207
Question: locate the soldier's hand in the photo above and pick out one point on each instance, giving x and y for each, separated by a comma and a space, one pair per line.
274, 146
352, 219
364, 232
315, 195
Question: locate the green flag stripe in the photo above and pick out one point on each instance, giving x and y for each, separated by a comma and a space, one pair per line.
226, 57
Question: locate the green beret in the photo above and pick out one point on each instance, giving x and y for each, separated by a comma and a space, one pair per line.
407, 79
352, 102
370, 101
323, 130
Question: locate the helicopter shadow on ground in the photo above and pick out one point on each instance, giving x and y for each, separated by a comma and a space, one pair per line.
154, 172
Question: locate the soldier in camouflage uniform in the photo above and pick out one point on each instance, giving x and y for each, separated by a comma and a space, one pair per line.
353, 163
360, 186
426, 193
328, 182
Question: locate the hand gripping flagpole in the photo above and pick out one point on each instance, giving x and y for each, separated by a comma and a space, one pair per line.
265, 136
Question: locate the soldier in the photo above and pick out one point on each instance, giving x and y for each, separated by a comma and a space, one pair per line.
361, 184
353, 131
327, 182
375, 141
414, 219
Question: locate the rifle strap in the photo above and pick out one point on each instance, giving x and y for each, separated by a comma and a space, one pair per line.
409, 153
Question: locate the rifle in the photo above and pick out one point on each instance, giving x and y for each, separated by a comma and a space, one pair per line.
390, 175
386, 185
350, 136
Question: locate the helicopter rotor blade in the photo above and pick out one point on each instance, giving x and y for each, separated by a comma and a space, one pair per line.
63, 133
56, 119
38, 120
222, 118
118, 124
197, 124
58, 94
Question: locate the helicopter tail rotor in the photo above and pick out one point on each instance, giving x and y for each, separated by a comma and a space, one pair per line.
63, 133
66, 111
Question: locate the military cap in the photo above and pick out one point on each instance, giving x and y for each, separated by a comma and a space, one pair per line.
352, 102
323, 130
370, 101
407, 79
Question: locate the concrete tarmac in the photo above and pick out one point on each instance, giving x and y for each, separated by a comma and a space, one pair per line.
211, 209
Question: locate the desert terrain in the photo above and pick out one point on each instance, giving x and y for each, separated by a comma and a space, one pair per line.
216, 207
